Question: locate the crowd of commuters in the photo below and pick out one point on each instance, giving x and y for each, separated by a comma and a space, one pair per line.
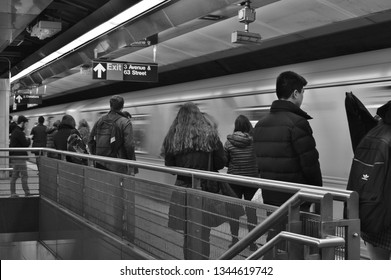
280, 147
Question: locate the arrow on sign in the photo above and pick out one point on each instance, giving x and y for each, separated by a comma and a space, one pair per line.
19, 98
99, 68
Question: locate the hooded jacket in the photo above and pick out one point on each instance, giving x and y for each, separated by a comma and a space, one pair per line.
66, 127
285, 149
240, 154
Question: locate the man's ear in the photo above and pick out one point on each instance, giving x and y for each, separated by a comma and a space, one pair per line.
295, 94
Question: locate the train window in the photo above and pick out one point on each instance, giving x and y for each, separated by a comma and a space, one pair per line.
140, 125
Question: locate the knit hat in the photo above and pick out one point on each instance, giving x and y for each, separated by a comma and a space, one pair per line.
21, 119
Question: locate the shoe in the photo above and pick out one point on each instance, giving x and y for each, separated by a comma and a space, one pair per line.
233, 242
13, 195
253, 247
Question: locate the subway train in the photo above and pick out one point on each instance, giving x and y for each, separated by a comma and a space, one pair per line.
367, 75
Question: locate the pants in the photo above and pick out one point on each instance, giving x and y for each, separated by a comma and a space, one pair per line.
19, 169
251, 213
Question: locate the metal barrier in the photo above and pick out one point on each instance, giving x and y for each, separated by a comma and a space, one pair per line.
7, 167
138, 211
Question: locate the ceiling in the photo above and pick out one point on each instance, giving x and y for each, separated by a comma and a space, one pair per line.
190, 46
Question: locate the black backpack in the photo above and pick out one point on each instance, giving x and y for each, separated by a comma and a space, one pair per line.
108, 137
370, 178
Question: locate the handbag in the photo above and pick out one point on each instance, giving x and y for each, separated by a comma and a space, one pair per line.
233, 210
215, 210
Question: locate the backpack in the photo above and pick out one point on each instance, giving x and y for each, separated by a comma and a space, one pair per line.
76, 144
108, 137
370, 178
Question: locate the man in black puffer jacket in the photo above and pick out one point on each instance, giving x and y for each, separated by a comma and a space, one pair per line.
283, 141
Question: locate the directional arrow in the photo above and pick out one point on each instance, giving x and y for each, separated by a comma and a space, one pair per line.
99, 68
19, 98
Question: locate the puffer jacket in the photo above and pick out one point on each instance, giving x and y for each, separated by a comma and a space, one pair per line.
239, 150
285, 149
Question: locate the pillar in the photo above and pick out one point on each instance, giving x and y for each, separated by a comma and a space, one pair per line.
4, 123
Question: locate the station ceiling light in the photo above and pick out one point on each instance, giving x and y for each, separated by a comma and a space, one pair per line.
127, 15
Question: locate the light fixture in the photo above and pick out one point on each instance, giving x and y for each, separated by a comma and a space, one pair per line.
129, 14
45, 29
246, 15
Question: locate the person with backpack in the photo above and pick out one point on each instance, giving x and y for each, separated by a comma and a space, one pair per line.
370, 177
61, 139
112, 136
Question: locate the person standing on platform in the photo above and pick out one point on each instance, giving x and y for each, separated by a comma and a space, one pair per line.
370, 176
39, 136
60, 139
18, 158
12, 124
39, 133
112, 136
51, 131
84, 130
191, 142
239, 150
284, 145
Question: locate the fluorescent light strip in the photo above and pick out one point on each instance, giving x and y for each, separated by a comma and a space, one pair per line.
119, 19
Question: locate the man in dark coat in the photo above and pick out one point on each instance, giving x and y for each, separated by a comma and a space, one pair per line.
284, 145
39, 133
18, 139
283, 141
126, 150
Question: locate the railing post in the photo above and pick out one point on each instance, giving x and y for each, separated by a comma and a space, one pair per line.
295, 250
326, 216
353, 231
194, 223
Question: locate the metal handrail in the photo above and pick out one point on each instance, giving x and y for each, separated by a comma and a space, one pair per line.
339, 195
269, 222
328, 242
300, 192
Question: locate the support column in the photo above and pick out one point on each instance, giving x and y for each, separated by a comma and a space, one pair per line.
4, 123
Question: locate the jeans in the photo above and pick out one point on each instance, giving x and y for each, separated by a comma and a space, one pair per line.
19, 169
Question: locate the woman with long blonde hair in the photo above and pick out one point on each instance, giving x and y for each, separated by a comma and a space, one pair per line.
191, 142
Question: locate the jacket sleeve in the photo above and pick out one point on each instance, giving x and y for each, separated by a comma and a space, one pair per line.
305, 146
219, 158
23, 140
227, 154
129, 140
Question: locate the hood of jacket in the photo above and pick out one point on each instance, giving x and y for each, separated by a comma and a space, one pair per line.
240, 139
283, 106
